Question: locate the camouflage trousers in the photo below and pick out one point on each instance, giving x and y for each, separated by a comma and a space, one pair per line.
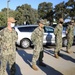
69, 43
10, 59
58, 45
37, 54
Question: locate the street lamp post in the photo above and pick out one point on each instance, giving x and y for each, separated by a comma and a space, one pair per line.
8, 8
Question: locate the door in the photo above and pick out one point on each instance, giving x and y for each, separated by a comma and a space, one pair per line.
49, 36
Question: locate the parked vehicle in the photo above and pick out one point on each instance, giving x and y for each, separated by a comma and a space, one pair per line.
25, 31
2, 27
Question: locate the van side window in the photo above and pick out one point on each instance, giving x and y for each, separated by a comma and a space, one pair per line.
49, 30
26, 29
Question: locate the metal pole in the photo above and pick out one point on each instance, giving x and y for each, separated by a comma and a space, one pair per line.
8, 8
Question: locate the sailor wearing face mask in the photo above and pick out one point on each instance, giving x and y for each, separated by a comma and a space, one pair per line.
8, 38
58, 38
70, 36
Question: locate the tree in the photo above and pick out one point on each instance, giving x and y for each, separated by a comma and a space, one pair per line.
3, 21
26, 13
3, 16
71, 8
60, 11
45, 11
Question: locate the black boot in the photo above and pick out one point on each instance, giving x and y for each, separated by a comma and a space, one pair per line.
13, 70
59, 54
42, 64
40, 59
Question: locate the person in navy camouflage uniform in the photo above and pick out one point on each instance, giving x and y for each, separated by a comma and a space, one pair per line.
8, 38
58, 38
70, 36
37, 39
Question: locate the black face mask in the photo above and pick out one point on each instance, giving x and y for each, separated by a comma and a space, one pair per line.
61, 22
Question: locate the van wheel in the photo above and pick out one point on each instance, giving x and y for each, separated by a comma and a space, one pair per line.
64, 42
25, 43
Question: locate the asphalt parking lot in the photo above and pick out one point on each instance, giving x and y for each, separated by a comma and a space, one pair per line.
65, 65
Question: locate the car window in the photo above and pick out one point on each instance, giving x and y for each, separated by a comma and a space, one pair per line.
48, 30
26, 29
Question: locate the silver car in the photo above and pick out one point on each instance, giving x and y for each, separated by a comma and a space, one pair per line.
25, 31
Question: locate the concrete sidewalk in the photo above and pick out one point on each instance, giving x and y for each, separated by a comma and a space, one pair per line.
65, 65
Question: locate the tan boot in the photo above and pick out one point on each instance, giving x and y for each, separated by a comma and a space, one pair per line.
69, 52
56, 55
34, 67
